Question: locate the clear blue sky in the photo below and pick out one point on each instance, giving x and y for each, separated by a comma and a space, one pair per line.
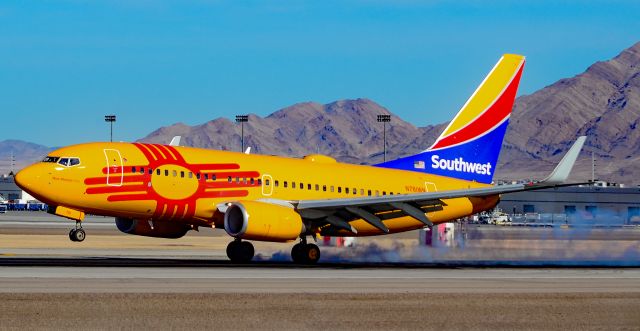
65, 64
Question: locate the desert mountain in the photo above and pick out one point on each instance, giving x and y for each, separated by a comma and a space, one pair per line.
16, 154
602, 103
347, 130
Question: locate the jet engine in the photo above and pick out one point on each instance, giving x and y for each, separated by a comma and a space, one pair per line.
262, 221
150, 228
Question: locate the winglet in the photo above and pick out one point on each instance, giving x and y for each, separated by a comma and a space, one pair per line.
248, 150
563, 169
175, 141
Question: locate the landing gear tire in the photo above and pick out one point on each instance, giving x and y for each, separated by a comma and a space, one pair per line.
77, 235
311, 254
240, 251
305, 253
297, 253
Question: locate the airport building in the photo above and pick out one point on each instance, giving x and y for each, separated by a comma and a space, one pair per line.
11, 192
601, 203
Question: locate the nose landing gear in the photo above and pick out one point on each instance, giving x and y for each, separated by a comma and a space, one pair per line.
304, 253
77, 234
240, 251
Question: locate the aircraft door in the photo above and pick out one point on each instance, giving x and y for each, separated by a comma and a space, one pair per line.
115, 172
267, 185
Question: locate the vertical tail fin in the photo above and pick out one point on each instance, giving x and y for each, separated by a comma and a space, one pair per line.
470, 145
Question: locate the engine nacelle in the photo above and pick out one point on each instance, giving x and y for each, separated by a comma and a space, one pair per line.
262, 221
149, 228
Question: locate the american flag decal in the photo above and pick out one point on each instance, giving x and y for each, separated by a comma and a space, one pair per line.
418, 164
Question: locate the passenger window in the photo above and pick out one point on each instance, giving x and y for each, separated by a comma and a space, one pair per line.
175, 173
206, 176
150, 171
260, 182
309, 187
384, 193
229, 179
213, 177
166, 172
237, 180
190, 174
181, 174
142, 170
346, 190
339, 189
267, 182
293, 185
276, 183
244, 180
285, 183
355, 191
133, 170
317, 187
369, 192
324, 188
198, 176
158, 172
252, 181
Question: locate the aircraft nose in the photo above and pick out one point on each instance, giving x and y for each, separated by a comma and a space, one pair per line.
26, 177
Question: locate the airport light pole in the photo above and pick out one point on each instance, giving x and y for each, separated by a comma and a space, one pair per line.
110, 119
241, 119
384, 119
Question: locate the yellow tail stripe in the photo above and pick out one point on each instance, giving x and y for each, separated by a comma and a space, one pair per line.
488, 91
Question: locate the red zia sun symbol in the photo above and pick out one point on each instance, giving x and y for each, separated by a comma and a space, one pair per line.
173, 183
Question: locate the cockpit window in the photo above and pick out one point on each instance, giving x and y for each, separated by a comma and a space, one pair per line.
68, 161
51, 159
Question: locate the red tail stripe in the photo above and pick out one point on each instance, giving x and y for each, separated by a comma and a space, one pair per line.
489, 119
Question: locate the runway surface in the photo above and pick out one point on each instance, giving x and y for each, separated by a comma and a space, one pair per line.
496, 278
183, 277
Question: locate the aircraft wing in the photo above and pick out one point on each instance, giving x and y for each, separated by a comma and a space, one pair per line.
339, 212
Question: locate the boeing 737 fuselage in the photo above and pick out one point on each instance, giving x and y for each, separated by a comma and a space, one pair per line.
165, 191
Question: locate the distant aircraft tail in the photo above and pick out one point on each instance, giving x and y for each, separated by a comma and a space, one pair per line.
470, 145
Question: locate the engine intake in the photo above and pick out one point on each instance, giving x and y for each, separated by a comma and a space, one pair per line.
262, 221
149, 228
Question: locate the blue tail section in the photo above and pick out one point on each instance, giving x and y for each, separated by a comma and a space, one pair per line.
473, 161
470, 145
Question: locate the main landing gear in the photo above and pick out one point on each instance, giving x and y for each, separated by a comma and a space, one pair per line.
304, 253
77, 234
240, 251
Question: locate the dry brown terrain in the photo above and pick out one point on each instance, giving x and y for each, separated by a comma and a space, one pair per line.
581, 311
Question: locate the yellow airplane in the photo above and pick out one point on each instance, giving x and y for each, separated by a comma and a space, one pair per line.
166, 190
